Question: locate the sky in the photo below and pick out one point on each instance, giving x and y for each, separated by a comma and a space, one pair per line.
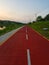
23, 10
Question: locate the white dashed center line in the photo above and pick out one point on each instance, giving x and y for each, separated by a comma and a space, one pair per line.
26, 36
28, 57
26, 30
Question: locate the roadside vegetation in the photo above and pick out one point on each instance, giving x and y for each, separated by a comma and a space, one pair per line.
41, 25
6, 26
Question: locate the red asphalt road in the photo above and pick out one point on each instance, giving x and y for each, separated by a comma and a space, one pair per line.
14, 50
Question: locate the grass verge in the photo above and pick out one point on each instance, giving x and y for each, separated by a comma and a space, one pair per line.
9, 26
38, 26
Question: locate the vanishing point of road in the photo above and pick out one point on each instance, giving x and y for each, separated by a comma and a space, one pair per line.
25, 47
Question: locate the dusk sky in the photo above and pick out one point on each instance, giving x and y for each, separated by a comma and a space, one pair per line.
23, 10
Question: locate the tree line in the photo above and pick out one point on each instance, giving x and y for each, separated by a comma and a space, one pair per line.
46, 18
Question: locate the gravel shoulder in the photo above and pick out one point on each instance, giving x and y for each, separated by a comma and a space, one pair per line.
7, 35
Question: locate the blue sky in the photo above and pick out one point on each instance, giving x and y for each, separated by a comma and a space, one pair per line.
23, 10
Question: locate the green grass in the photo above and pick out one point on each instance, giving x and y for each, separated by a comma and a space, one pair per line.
38, 26
9, 26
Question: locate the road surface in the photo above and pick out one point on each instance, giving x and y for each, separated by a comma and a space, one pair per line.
25, 47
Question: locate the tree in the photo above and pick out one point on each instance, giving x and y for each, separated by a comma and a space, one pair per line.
47, 17
29, 23
39, 18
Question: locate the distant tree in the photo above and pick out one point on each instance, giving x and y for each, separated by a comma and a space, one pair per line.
34, 21
47, 17
39, 18
29, 23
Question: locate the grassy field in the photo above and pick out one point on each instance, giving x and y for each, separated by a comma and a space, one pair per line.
38, 26
9, 26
